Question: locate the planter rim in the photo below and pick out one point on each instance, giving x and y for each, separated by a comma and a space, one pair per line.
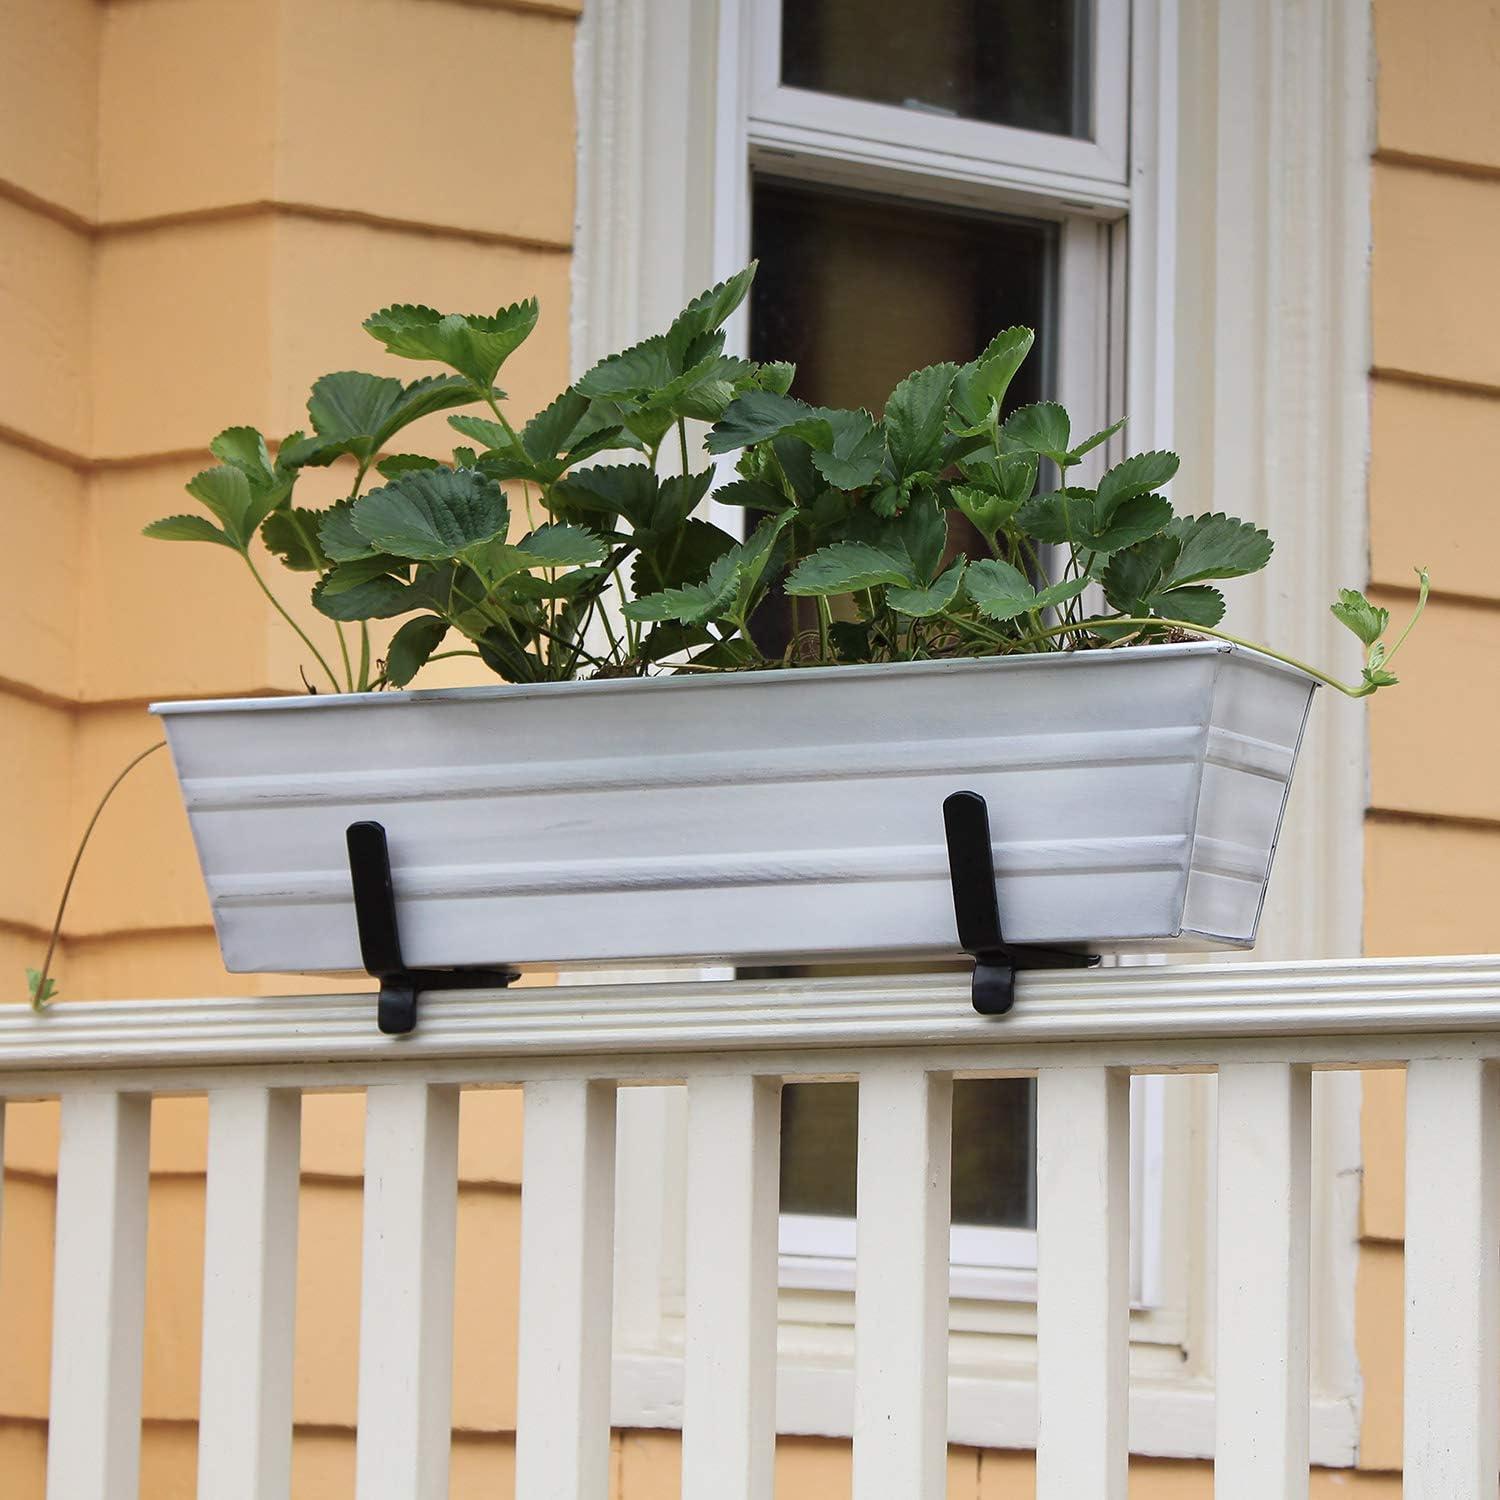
675, 682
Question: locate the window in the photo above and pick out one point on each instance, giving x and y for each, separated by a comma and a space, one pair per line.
1215, 195
871, 267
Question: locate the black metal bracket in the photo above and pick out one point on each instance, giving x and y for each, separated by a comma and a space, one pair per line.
380, 941
971, 865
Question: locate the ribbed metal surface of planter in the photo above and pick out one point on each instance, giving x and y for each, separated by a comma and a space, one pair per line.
787, 816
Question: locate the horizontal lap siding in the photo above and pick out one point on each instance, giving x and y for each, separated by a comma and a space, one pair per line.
1433, 831
156, 284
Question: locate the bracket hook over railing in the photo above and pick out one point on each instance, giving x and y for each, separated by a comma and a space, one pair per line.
380, 940
976, 905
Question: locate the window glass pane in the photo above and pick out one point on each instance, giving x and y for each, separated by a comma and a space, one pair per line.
1024, 63
993, 1155
859, 291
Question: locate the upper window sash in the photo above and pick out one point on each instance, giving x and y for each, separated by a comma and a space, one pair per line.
826, 130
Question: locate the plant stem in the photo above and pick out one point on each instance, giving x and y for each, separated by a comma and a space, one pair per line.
1357, 690
41, 983
281, 610
364, 656
338, 630
682, 446
1423, 585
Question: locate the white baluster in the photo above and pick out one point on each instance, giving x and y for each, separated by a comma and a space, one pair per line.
1452, 1426
99, 1297
567, 1291
729, 1372
1083, 1283
901, 1284
249, 1294
406, 1292
1264, 1237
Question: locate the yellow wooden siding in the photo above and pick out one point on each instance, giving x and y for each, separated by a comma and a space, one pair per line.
1433, 832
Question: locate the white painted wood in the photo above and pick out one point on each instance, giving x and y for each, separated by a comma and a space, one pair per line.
1356, 1011
406, 1292
754, 851
1083, 1283
1261, 1366
249, 1294
901, 1283
733, 1181
1452, 1391
99, 1297
567, 1242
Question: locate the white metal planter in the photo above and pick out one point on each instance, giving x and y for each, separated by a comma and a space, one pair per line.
1135, 797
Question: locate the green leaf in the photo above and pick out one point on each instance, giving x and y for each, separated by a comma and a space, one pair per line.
549, 432
1059, 516
753, 494
562, 546
485, 431
680, 559
999, 589
350, 575
405, 463
842, 567
339, 537
1133, 520
527, 587
504, 655
1040, 428
1217, 546
1060, 593
1137, 574
756, 559
188, 529
631, 373
983, 383
354, 412
372, 599
1368, 621
1090, 443
695, 602
711, 309
776, 375
932, 599
857, 457
474, 345
412, 646
243, 448
915, 420
292, 534
39, 990
924, 535
757, 415
989, 512
432, 514
1197, 604
609, 490
1138, 475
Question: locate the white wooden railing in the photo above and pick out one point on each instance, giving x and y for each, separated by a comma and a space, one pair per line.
1264, 1028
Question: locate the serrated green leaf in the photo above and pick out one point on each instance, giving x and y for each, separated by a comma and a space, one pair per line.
226, 492
692, 603
857, 457
339, 537
609, 490
923, 529
432, 514
757, 415
1059, 516
1196, 604
355, 412
1040, 428
915, 420
999, 589
1059, 593
710, 310
188, 529
679, 559
373, 599
753, 494
405, 463
548, 433
842, 567
982, 384
474, 345
485, 431
776, 375
245, 449
292, 534
1138, 475
350, 575
1133, 520
1368, 621
528, 587
412, 646
930, 600
1136, 574
1217, 546
1090, 443
39, 990
559, 545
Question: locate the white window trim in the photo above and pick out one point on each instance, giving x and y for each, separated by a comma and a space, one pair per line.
1255, 279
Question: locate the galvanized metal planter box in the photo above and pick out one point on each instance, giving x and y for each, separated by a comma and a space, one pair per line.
789, 816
